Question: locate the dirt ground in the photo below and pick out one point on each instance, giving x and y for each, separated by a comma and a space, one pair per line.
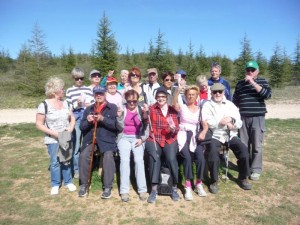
278, 111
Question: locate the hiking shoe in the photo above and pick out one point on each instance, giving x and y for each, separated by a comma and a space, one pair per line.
152, 197
188, 194
71, 187
125, 197
83, 190
143, 196
200, 190
213, 188
244, 184
254, 176
54, 190
175, 196
106, 193
76, 175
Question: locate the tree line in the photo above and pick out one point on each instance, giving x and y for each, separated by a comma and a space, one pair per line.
35, 62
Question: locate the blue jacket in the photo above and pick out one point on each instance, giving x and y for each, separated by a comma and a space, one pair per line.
225, 83
106, 130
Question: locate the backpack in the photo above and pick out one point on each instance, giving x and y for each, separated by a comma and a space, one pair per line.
165, 185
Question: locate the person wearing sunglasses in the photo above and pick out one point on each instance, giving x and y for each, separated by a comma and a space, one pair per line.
215, 71
168, 83
95, 78
162, 141
249, 96
79, 97
224, 119
132, 120
135, 84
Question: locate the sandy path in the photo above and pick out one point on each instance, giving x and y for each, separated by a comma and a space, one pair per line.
280, 111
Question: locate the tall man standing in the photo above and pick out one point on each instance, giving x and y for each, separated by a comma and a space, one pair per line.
151, 86
249, 96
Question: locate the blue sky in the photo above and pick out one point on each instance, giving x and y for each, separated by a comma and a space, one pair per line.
218, 26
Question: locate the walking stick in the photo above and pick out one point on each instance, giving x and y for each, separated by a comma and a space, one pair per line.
97, 110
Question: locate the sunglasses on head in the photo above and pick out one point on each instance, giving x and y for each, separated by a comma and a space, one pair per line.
132, 101
95, 75
219, 91
79, 78
169, 80
250, 70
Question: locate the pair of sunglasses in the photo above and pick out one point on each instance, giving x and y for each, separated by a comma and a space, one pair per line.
250, 70
215, 92
79, 78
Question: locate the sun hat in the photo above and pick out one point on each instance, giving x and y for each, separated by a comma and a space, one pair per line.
99, 89
93, 72
152, 70
111, 80
217, 87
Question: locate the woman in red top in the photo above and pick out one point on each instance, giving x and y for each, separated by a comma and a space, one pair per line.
162, 140
204, 93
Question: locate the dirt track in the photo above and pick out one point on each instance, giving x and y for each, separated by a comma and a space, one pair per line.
279, 111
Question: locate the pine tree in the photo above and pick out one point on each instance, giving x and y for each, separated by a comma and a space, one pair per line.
296, 64
286, 69
202, 62
262, 63
106, 49
275, 67
244, 57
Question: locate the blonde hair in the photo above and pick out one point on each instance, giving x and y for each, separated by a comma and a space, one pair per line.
191, 87
201, 79
53, 85
77, 72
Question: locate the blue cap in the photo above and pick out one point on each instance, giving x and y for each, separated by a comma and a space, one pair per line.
99, 89
182, 72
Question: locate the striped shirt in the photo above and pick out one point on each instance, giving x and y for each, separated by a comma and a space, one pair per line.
248, 100
73, 93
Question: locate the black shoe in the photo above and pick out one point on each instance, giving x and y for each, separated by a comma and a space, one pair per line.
106, 193
213, 188
244, 184
152, 197
83, 190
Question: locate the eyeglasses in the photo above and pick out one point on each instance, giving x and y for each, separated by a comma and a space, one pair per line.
151, 74
169, 80
161, 96
250, 70
95, 75
134, 75
132, 101
79, 78
215, 92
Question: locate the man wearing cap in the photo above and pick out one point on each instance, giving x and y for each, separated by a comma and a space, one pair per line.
224, 119
215, 71
151, 86
249, 96
104, 114
95, 78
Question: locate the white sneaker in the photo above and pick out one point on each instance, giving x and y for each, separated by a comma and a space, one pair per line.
54, 190
71, 187
200, 190
188, 194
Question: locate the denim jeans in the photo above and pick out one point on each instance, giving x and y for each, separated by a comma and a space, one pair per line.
125, 146
76, 143
57, 168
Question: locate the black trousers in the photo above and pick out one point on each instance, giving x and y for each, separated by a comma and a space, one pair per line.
170, 152
189, 157
108, 169
240, 151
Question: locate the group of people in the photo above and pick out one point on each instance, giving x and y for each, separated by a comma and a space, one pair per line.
153, 122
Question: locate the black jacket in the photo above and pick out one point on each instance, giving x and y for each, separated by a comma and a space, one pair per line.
106, 130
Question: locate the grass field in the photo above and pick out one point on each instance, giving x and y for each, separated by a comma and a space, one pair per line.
25, 188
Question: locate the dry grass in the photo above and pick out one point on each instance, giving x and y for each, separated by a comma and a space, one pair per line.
25, 199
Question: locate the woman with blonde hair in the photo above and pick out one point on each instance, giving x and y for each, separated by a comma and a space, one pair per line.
55, 118
204, 93
187, 144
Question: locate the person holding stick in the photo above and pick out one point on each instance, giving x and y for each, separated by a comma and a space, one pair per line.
162, 140
104, 114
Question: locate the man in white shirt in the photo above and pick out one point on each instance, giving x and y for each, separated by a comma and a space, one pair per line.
224, 119
151, 86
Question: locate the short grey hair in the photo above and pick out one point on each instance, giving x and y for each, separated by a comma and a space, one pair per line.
201, 79
77, 72
216, 65
53, 85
